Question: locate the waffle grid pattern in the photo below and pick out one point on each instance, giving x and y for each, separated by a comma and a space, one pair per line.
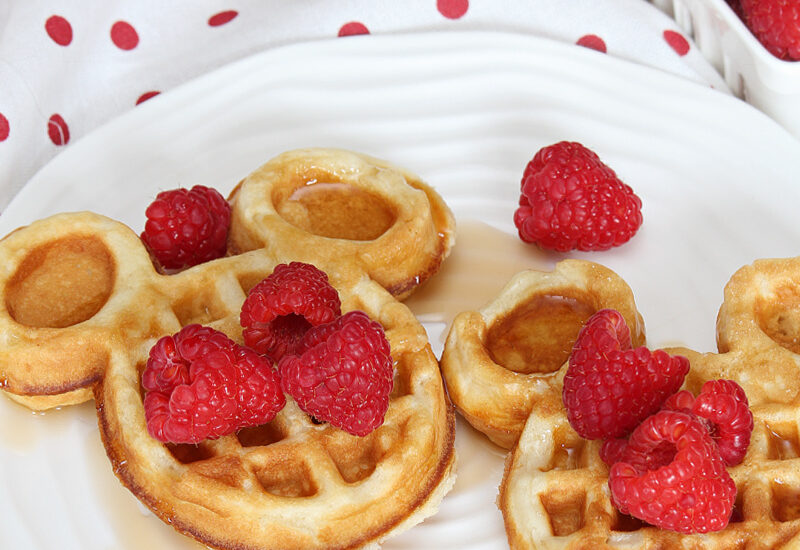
564, 481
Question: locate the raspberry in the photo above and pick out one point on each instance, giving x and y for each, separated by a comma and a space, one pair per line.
570, 200
776, 24
280, 309
724, 406
618, 450
610, 388
187, 227
688, 490
202, 385
343, 373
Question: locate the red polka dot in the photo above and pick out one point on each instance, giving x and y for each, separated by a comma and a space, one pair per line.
452, 9
147, 95
4, 127
58, 130
677, 42
124, 36
222, 17
352, 28
59, 30
592, 41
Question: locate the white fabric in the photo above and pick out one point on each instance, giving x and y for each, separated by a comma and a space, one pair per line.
90, 79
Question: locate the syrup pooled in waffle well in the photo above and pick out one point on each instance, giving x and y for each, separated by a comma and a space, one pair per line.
716, 466
86, 311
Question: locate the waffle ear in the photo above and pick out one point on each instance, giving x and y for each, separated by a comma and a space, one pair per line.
508, 360
70, 281
345, 206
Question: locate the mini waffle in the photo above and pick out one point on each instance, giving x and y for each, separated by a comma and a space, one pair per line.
554, 492
291, 483
508, 359
346, 207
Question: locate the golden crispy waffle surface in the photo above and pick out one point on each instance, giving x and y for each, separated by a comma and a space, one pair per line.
345, 206
84, 304
509, 359
554, 493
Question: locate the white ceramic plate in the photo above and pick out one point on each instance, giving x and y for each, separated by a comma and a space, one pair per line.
466, 111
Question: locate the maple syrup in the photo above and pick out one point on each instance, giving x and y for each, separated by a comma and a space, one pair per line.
134, 526
538, 335
785, 502
781, 446
483, 260
337, 210
61, 283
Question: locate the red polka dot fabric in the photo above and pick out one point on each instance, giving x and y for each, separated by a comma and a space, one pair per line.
222, 17
124, 36
592, 41
67, 70
59, 30
353, 27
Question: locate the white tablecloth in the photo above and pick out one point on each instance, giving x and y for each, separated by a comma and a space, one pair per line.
68, 66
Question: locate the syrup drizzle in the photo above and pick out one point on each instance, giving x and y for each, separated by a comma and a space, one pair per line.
483, 260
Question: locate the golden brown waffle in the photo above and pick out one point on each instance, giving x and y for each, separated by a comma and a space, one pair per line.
346, 207
555, 494
84, 305
290, 483
509, 358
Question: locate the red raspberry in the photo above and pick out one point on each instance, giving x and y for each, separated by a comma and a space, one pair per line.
610, 388
618, 450
280, 309
776, 24
688, 490
343, 373
571, 200
187, 227
724, 406
202, 385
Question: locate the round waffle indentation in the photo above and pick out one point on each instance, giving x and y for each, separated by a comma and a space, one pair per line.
335, 210
509, 358
537, 335
61, 283
758, 331
778, 314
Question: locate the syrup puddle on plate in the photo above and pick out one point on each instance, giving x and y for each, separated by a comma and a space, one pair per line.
133, 524
482, 261
23, 429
